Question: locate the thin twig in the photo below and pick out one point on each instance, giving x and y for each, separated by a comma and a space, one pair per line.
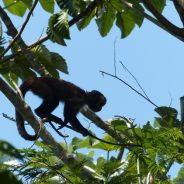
134, 79
140, 94
115, 57
8, 117
21, 30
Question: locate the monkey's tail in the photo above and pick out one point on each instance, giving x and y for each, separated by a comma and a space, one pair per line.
26, 86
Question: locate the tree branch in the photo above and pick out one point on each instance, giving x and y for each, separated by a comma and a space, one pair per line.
165, 22
140, 94
104, 126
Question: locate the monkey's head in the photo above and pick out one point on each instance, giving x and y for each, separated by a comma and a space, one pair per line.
95, 100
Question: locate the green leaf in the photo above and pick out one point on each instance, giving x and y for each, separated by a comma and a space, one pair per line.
84, 22
81, 143
59, 62
58, 29
159, 4
18, 8
117, 5
8, 149
44, 56
17, 67
168, 117
136, 16
47, 5
74, 7
105, 146
105, 22
112, 166
28, 3
51, 60
125, 22
167, 112
100, 162
8, 177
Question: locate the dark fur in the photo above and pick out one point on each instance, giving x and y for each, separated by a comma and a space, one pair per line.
53, 91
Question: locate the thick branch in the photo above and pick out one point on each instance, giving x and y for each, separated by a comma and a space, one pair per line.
100, 123
165, 22
27, 114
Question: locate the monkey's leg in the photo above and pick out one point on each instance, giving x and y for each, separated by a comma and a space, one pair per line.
45, 109
47, 106
78, 126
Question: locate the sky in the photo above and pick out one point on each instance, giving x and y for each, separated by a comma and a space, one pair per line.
152, 55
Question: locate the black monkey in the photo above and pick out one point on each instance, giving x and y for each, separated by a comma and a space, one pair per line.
53, 91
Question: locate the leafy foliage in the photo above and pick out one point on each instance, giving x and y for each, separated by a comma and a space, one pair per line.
58, 29
19, 67
8, 152
8, 149
161, 147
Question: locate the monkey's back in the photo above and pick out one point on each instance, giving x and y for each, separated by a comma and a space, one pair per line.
62, 89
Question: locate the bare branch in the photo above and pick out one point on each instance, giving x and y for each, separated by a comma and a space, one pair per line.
140, 94
115, 57
134, 79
